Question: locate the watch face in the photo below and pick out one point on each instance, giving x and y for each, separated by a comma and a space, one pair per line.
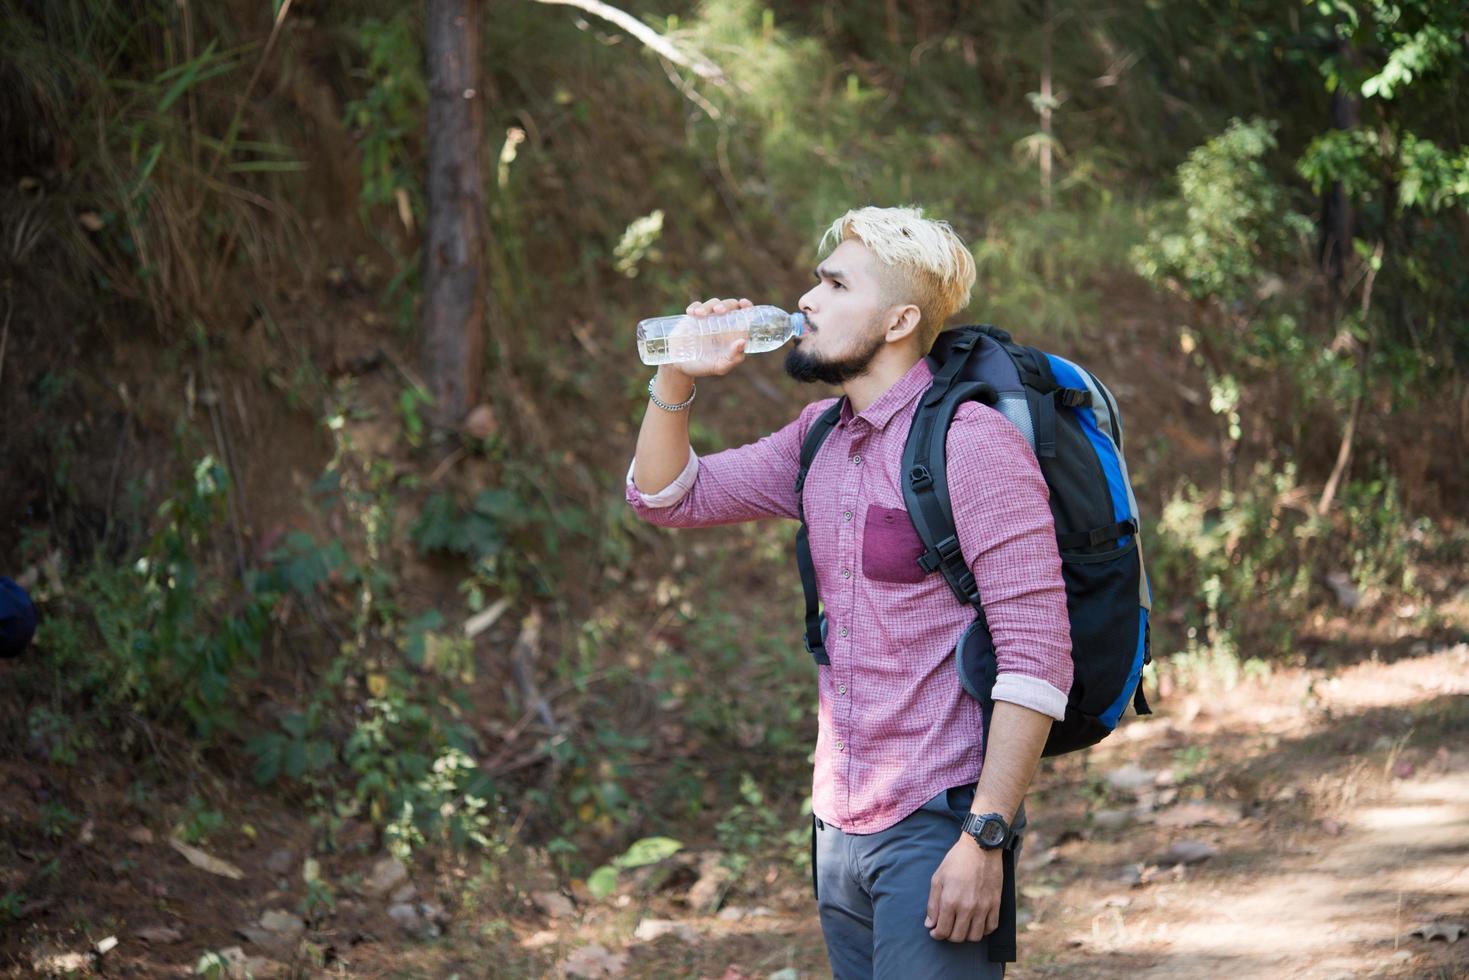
992, 833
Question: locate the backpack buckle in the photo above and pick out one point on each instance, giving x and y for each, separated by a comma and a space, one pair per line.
919, 478
1073, 397
948, 548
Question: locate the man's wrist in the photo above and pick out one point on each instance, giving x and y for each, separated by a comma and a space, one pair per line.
672, 384
969, 841
981, 807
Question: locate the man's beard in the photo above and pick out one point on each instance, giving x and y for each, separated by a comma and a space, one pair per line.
807, 367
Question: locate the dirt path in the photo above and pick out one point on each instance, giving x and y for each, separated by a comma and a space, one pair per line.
1335, 807
1340, 909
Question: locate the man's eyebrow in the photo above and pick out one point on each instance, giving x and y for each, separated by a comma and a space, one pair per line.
822, 272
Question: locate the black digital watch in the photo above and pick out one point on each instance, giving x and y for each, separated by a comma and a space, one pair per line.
989, 830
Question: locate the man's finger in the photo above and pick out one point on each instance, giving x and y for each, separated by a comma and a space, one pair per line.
978, 929
944, 926
963, 921
931, 914
734, 356
992, 921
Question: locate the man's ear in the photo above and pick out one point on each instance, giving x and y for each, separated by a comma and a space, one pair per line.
903, 322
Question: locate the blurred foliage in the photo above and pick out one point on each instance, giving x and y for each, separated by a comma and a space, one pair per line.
175, 171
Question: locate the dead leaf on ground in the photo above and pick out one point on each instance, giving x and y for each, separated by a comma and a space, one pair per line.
1188, 852
62, 964
594, 961
554, 904
205, 861
159, 935
1131, 778
713, 880
1194, 814
651, 929
1448, 931
538, 940
387, 874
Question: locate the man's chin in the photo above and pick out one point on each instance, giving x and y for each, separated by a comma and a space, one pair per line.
809, 369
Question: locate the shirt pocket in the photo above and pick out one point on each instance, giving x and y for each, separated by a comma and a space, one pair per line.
890, 546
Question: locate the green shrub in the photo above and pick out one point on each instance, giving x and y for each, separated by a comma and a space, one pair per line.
165, 638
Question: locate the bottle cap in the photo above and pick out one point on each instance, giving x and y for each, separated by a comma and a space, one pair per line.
798, 324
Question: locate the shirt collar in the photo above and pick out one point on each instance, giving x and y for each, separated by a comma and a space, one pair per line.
902, 392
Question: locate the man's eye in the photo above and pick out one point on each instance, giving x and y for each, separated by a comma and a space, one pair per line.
836, 285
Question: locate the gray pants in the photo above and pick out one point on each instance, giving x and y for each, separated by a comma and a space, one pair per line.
872, 895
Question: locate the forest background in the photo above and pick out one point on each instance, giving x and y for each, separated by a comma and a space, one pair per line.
300, 581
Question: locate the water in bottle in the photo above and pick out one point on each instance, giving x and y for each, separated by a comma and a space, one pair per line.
684, 338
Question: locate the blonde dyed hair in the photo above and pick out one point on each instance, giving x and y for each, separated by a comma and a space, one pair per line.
924, 261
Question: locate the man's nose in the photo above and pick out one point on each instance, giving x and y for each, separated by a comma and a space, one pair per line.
805, 303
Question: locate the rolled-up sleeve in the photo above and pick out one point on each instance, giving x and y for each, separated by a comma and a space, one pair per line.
670, 494
1003, 516
750, 482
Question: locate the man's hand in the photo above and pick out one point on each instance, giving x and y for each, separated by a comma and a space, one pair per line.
964, 893
728, 359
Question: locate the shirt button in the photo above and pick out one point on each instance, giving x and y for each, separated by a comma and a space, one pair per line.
847, 516
844, 631
846, 573
857, 459
841, 689
840, 745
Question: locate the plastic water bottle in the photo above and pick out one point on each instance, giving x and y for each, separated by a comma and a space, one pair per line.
683, 338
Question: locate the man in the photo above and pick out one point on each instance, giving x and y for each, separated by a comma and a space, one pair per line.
901, 889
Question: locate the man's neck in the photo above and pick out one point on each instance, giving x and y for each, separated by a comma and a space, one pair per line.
886, 370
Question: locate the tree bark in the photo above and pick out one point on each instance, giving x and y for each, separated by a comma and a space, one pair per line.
453, 280
1336, 208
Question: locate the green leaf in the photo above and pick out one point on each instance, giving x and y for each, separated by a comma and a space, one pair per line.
192, 72
602, 882
267, 751
649, 850
267, 166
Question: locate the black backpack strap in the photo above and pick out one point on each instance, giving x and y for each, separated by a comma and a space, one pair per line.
815, 621
926, 494
1002, 942
926, 487
958, 353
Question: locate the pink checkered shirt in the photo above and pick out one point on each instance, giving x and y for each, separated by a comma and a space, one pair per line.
895, 726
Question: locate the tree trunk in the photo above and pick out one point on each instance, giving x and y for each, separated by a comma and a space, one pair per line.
1336, 208
453, 281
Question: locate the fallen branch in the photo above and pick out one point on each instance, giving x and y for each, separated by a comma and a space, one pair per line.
481, 621
696, 63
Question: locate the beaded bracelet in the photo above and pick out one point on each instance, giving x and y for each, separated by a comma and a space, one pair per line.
680, 407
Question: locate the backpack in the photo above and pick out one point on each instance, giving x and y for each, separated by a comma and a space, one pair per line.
1071, 421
